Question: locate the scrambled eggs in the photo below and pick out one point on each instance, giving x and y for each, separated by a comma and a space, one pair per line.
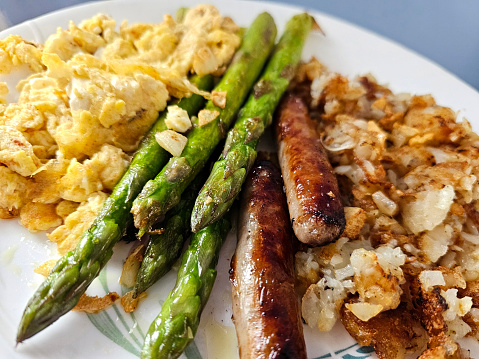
93, 93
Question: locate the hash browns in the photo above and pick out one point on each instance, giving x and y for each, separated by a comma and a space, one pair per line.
408, 172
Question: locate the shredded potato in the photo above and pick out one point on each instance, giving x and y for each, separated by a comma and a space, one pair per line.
408, 175
95, 304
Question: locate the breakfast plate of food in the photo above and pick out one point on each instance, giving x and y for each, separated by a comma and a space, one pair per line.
232, 179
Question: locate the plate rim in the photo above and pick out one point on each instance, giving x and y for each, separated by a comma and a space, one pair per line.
288, 7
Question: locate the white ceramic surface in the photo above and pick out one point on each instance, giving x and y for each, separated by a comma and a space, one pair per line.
114, 334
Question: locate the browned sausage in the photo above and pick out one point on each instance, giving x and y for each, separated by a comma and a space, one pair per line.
265, 306
311, 187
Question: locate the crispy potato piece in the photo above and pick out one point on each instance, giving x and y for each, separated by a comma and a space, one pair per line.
129, 303
451, 349
434, 353
355, 220
95, 304
429, 306
309, 71
471, 290
453, 278
391, 333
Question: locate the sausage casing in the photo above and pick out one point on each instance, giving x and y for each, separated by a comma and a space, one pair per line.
311, 188
265, 306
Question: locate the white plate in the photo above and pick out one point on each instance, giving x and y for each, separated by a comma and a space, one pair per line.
346, 49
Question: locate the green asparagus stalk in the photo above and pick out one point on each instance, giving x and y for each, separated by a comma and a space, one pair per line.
229, 172
162, 193
74, 272
164, 249
176, 325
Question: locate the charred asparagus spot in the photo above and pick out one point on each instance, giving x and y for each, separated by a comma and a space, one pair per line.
229, 172
162, 193
74, 272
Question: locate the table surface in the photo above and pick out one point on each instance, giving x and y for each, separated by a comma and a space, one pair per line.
447, 32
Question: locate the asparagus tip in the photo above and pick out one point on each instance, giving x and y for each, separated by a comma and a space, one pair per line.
201, 216
144, 215
24, 332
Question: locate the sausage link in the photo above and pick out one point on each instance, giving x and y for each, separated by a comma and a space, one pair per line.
311, 188
265, 306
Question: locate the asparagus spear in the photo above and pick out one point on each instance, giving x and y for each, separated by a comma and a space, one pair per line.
74, 272
164, 249
162, 193
229, 172
175, 327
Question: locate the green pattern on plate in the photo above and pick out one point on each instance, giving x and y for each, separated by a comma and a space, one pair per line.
131, 342
107, 326
192, 352
104, 323
352, 352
